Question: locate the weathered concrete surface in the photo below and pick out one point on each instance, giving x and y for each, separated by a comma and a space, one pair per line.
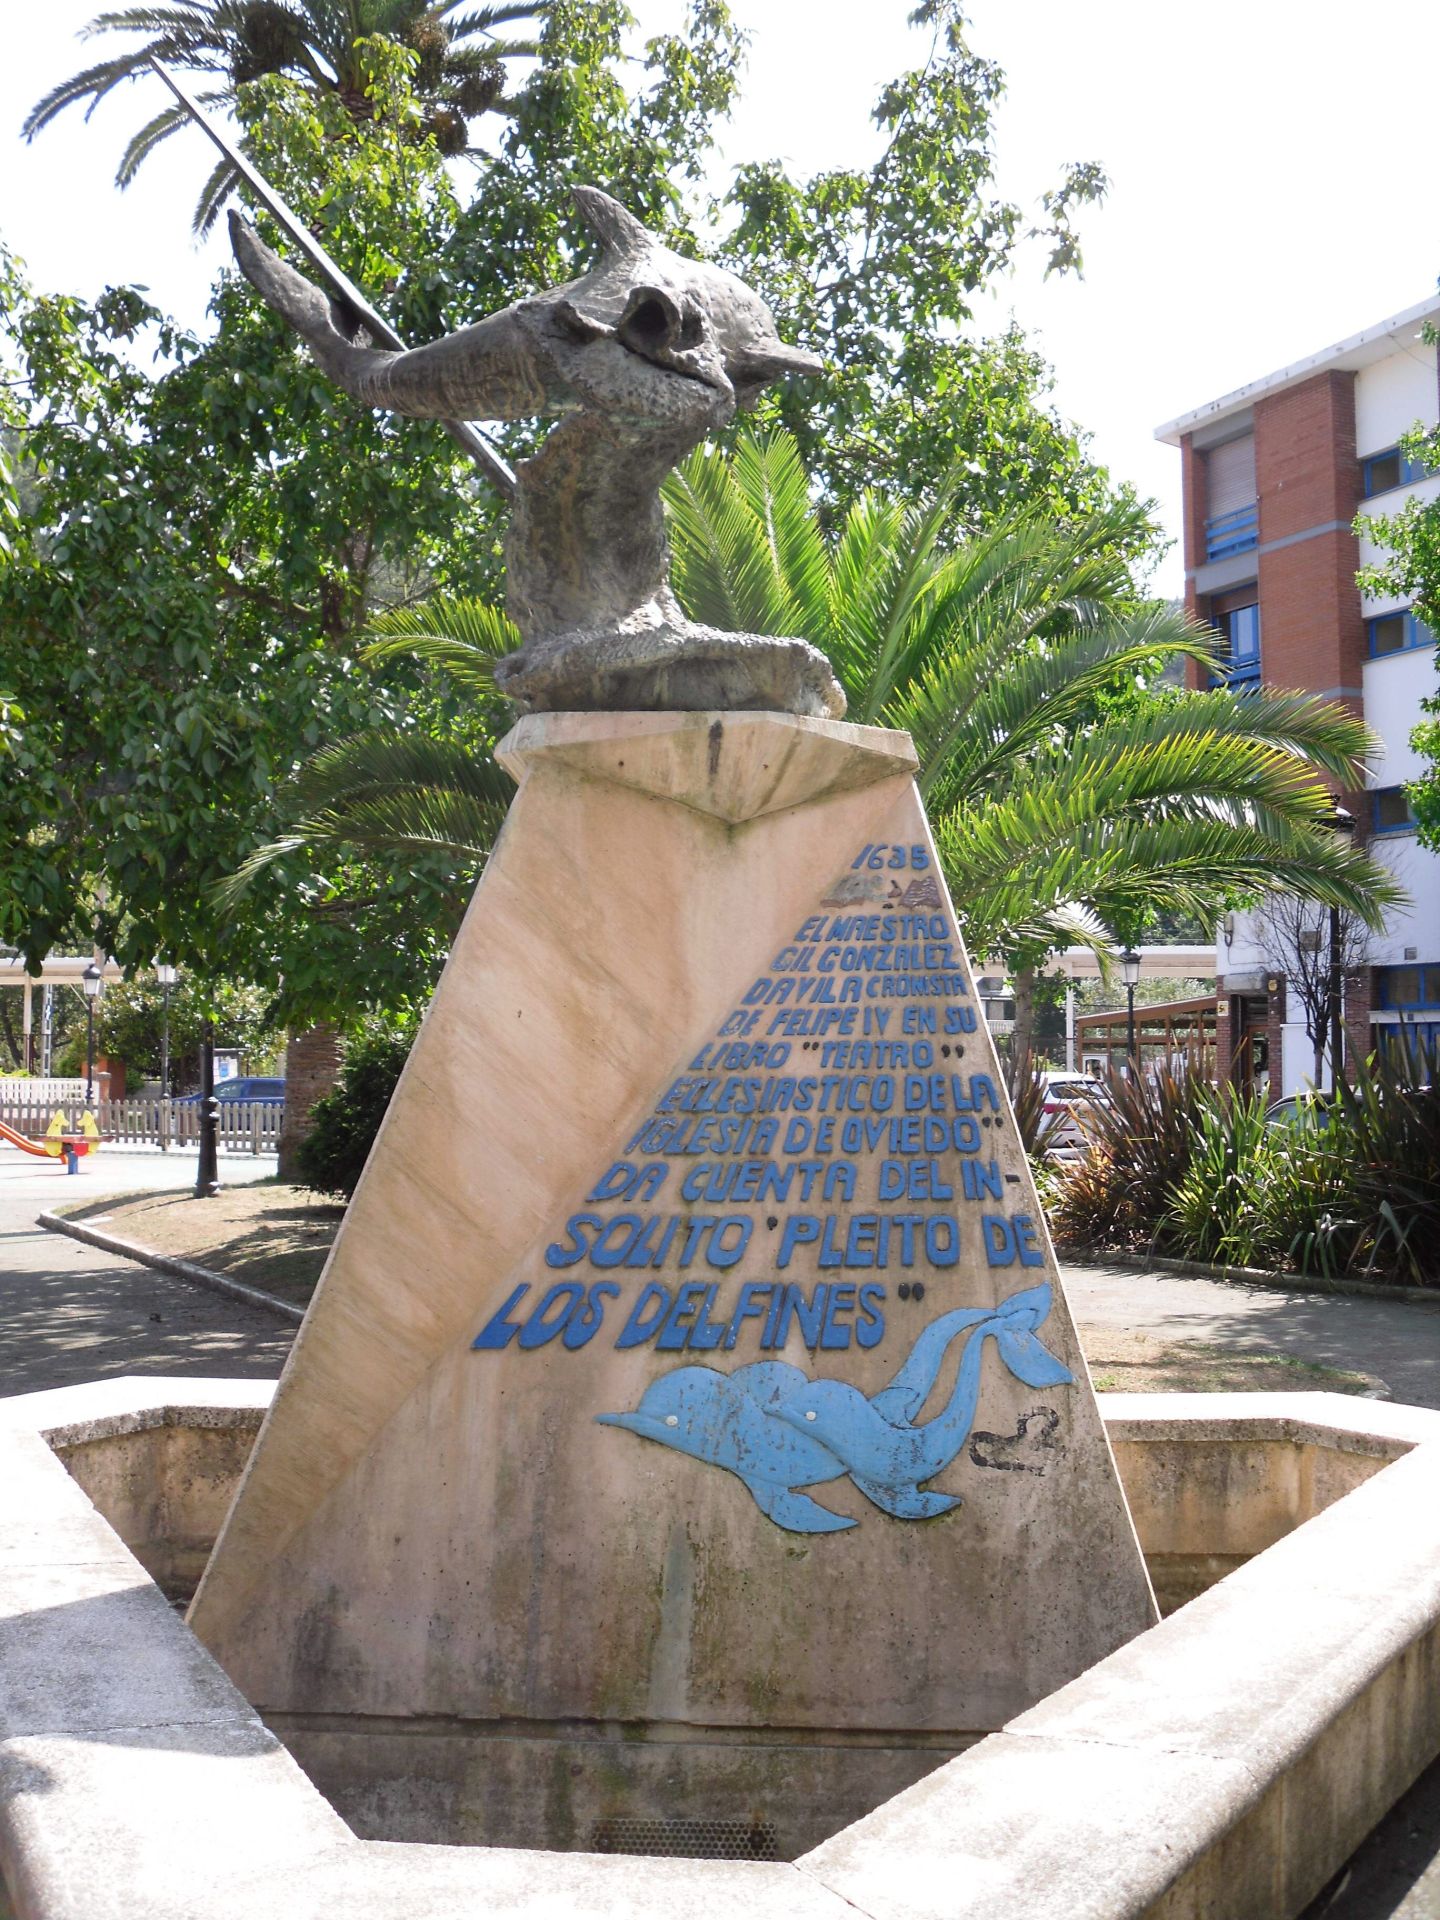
1223, 1764
431, 1532
1395, 1875
1214, 1479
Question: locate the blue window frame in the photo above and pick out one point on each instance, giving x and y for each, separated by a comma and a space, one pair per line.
1390, 810
1398, 632
1229, 533
1397, 988
1239, 630
1382, 471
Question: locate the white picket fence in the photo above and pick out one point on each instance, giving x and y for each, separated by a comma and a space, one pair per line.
245, 1126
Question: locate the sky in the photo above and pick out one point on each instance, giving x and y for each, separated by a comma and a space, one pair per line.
1271, 168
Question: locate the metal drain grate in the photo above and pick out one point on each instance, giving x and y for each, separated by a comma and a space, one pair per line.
687, 1839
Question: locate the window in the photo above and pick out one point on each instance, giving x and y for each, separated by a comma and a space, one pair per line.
1233, 523
1398, 632
1382, 471
1391, 807
1239, 631
1407, 986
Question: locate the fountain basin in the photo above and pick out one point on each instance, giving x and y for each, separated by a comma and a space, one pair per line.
1228, 1760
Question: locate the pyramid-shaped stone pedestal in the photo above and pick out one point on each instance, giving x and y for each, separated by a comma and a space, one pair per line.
688, 1445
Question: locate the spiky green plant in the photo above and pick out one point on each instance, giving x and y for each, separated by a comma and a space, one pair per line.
459, 73
1058, 800
1142, 1141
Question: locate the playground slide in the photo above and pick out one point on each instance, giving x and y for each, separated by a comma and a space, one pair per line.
41, 1147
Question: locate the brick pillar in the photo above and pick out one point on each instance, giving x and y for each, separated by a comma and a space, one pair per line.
312, 1062
1224, 1036
1359, 1034
1307, 482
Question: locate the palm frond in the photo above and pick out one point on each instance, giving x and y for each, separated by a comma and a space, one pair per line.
220, 183
149, 137
463, 635
381, 760
382, 792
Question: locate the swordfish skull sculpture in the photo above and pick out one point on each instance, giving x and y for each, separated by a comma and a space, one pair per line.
639, 359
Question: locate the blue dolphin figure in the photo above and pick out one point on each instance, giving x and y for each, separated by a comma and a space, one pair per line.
778, 1430
884, 1453
721, 1418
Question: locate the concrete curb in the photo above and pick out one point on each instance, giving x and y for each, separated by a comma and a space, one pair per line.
1243, 1276
1226, 1762
166, 1263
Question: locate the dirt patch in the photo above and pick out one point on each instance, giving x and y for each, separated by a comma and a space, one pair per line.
1123, 1362
270, 1236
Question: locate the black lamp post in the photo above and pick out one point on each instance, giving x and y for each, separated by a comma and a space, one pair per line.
92, 979
1340, 822
207, 1171
167, 976
1130, 972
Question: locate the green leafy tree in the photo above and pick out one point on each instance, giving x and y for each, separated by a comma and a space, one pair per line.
459, 64
129, 1022
1411, 570
183, 588
179, 610
347, 1119
877, 269
204, 545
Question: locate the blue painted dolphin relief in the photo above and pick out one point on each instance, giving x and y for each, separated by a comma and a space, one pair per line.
778, 1430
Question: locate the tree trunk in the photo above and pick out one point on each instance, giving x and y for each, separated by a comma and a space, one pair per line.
1024, 984
312, 1063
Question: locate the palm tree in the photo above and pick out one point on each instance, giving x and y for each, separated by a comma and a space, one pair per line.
460, 74
1061, 795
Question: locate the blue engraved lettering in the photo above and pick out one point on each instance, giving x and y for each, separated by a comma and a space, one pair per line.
499, 1330
654, 1300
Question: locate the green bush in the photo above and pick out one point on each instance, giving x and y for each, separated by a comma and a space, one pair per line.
344, 1122
1143, 1141
1351, 1189
1210, 1213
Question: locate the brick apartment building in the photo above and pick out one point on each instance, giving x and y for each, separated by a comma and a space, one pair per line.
1273, 476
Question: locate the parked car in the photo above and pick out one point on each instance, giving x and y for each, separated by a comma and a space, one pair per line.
1300, 1110
248, 1090
1070, 1098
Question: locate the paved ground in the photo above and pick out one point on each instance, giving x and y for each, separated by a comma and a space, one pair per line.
1399, 1340
70, 1313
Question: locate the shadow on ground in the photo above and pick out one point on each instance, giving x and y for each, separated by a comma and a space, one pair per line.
69, 1313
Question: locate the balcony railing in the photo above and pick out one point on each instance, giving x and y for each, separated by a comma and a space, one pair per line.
1234, 532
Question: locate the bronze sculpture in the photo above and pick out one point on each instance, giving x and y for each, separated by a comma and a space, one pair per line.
640, 358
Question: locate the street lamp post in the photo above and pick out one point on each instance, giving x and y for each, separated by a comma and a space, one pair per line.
1130, 972
1340, 822
167, 976
92, 979
207, 1171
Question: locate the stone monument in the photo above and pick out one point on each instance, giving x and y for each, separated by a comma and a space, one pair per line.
688, 1445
